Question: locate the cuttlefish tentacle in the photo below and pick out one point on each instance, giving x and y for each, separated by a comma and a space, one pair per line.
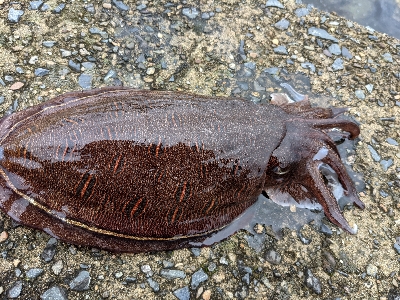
325, 197
344, 125
336, 164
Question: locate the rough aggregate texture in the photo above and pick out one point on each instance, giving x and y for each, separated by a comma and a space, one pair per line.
216, 48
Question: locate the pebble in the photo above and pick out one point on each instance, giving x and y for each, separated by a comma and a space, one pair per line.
146, 269
335, 49
386, 164
346, 53
141, 6
120, 5
337, 64
151, 71
280, 50
197, 278
35, 5
273, 257
223, 261
321, 33
88, 65
375, 156
372, 270
282, 24
312, 282
1, 102
80, 282
74, 66
50, 250
369, 88
172, 274
45, 7
301, 12
49, 44
182, 293
57, 267
16, 290
190, 12
153, 284
14, 15
85, 81
40, 72
274, 3
33, 60
33, 273
360, 94
392, 141
59, 8
387, 57
308, 65
196, 251
16, 86
326, 230
397, 247
54, 293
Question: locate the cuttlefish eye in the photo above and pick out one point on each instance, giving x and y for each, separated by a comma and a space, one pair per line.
280, 170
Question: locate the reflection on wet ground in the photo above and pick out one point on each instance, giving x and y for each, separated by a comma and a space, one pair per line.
381, 15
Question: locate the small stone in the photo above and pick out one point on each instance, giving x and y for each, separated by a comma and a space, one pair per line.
74, 66
3, 236
141, 6
197, 278
386, 164
318, 32
150, 71
375, 156
16, 86
146, 269
107, 5
223, 261
301, 12
337, 64
118, 275
360, 94
88, 65
153, 284
372, 270
33, 273
308, 65
272, 71
282, 24
50, 250
15, 291
40, 72
33, 60
397, 247
172, 274
387, 57
14, 15
392, 141
207, 295
168, 264
196, 251
212, 266
312, 282
120, 5
274, 3
110, 74
59, 8
335, 49
191, 12
65, 53
182, 293
49, 44
85, 81
346, 53
369, 88
57, 267
54, 293
35, 5
326, 230
281, 50
273, 257
80, 282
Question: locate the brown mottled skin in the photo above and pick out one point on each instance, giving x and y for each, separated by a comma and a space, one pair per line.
135, 170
